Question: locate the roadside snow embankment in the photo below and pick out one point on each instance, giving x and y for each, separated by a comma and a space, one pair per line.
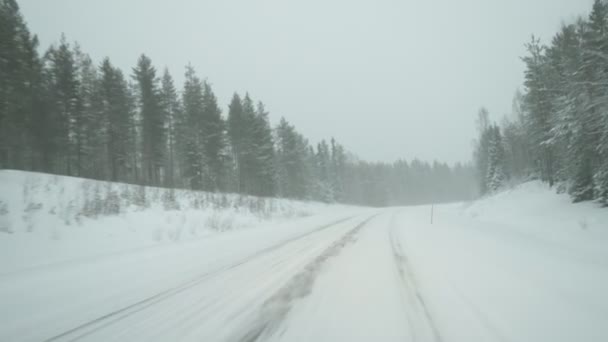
534, 210
525, 264
47, 218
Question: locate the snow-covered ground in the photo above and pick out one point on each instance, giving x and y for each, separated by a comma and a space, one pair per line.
524, 265
46, 219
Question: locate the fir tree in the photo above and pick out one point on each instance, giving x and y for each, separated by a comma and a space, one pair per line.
193, 106
236, 133
495, 177
482, 153
264, 154
213, 139
152, 120
118, 118
292, 151
67, 109
540, 109
19, 66
174, 127
93, 125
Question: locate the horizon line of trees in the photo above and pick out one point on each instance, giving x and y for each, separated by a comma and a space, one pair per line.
62, 113
558, 132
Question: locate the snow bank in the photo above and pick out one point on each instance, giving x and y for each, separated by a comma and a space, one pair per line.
525, 264
535, 210
46, 218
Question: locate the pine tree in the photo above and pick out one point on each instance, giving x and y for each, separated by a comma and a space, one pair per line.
92, 127
19, 79
292, 151
337, 170
174, 127
67, 105
213, 139
236, 133
518, 163
482, 153
594, 73
495, 177
117, 114
263, 168
248, 163
539, 108
152, 121
35, 107
324, 189
193, 106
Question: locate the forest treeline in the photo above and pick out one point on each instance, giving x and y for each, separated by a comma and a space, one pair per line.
63, 113
559, 130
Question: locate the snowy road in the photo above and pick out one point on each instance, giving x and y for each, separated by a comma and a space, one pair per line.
385, 275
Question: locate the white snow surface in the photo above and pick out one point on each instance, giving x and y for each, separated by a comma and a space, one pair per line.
522, 265
47, 218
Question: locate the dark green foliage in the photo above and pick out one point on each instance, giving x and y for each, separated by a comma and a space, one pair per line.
20, 89
175, 128
117, 119
213, 140
263, 181
495, 176
192, 145
67, 115
252, 147
152, 121
292, 152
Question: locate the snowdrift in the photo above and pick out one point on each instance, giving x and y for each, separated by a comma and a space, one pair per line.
525, 264
534, 209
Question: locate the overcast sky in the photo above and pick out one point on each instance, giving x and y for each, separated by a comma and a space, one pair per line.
388, 78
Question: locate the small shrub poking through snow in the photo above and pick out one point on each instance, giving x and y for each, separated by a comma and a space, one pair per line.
583, 224
4, 222
169, 200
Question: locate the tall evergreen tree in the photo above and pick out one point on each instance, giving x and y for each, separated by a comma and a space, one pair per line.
213, 139
495, 176
92, 128
174, 127
118, 118
236, 133
248, 163
68, 115
324, 189
337, 171
152, 120
540, 109
20, 72
263, 167
482, 153
193, 102
292, 151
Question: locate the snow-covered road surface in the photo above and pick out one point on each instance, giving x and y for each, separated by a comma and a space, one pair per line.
375, 275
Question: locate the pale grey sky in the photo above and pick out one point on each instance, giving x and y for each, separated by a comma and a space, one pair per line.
388, 78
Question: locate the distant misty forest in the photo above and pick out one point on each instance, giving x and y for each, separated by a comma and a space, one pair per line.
63, 113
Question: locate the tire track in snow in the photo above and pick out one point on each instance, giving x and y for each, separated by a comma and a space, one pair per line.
274, 310
94, 325
211, 306
481, 317
426, 329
